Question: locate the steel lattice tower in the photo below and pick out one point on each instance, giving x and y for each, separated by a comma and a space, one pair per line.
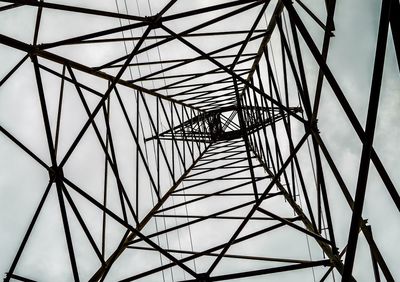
185, 145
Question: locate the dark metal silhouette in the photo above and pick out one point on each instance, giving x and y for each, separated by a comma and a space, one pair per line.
225, 136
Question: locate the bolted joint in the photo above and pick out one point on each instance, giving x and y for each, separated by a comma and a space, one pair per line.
297, 110
335, 260
215, 126
32, 52
55, 173
313, 126
335, 251
203, 277
154, 21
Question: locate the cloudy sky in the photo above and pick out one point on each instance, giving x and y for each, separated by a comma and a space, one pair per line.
23, 180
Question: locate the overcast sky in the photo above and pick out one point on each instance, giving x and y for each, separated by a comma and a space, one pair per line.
23, 180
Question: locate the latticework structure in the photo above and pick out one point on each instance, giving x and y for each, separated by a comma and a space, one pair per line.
181, 141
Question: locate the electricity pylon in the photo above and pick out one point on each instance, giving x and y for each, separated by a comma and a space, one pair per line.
185, 145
